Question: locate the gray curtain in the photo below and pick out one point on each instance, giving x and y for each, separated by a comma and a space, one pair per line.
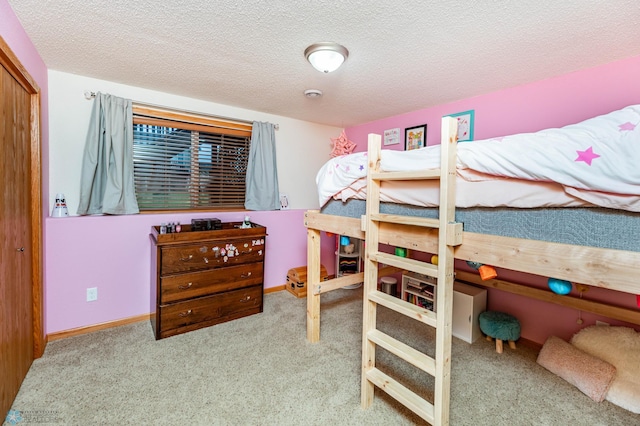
262, 191
106, 182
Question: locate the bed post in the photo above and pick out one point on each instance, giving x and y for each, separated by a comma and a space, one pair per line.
313, 281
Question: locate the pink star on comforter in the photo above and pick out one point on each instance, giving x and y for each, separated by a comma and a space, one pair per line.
587, 156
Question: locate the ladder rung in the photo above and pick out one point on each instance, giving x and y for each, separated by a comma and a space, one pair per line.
412, 175
404, 351
405, 220
403, 307
406, 263
401, 393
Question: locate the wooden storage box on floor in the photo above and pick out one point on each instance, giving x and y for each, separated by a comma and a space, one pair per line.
297, 280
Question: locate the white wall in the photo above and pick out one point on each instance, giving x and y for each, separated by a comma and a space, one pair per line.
302, 147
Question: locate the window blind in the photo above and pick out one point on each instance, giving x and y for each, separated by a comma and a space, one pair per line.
182, 161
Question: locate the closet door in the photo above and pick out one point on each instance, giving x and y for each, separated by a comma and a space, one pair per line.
16, 242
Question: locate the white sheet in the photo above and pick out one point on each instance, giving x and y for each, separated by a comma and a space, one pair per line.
595, 162
486, 193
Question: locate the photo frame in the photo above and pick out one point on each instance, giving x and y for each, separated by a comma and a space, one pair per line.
392, 136
465, 125
415, 137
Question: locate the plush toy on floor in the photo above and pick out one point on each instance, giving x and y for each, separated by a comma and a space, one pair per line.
619, 346
601, 361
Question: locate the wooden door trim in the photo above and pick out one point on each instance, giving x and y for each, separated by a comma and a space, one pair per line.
13, 65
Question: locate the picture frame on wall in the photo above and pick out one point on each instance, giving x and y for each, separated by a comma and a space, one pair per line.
415, 137
465, 125
392, 136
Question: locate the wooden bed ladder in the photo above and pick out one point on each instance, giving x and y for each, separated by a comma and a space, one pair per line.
449, 235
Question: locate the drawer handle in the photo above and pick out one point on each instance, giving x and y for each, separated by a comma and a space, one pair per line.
185, 314
184, 259
245, 299
247, 275
184, 287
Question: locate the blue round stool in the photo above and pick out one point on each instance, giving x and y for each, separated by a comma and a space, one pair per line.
500, 326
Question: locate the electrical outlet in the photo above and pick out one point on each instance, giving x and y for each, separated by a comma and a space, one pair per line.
92, 294
601, 323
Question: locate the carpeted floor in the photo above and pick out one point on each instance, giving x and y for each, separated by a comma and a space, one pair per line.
260, 370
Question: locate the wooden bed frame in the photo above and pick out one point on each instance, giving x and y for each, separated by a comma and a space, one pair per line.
599, 267
612, 269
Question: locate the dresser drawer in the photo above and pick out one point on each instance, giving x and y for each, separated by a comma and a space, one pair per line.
210, 254
196, 284
209, 310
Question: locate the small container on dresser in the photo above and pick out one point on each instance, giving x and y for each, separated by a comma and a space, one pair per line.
202, 278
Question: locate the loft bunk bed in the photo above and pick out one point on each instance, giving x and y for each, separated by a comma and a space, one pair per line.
583, 174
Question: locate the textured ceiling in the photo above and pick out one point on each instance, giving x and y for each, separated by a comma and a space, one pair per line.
404, 55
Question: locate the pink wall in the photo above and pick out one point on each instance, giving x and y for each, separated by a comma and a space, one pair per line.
548, 103
113, 254
553, 102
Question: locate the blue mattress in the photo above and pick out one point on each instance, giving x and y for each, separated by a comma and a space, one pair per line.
594, 227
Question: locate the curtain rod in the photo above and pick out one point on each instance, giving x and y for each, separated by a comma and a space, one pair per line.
90, 95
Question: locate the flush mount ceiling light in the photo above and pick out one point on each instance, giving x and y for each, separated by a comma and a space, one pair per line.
326, 56
313, 93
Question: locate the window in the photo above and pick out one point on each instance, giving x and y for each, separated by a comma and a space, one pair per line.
187, 162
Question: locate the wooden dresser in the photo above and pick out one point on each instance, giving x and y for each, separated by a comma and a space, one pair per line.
202, 278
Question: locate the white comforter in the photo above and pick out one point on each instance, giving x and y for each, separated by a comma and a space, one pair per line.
595, 162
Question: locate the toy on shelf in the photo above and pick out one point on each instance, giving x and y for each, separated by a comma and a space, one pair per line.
558, 286
401, 252
487, 272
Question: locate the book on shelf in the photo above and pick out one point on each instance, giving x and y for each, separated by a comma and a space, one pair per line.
420, 277
427, 293
420, 301
414, 283
420, 293
420, 286
420, 290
